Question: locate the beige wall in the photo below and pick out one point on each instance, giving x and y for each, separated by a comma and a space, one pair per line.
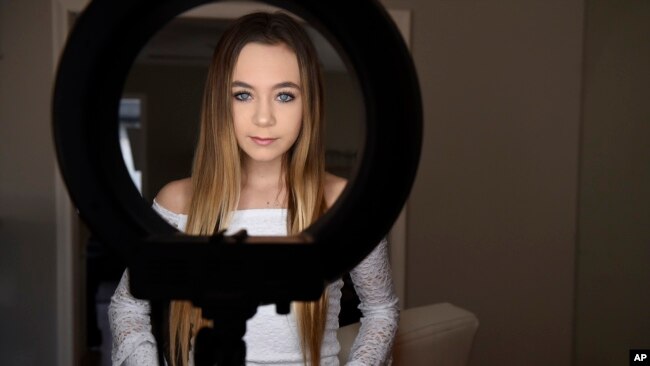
27, 205
613, 301
492, 216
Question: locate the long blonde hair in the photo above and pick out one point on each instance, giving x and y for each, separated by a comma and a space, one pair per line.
217, 171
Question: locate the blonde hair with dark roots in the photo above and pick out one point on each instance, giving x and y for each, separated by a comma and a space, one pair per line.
217, 172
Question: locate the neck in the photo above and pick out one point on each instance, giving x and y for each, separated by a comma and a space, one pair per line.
262, 174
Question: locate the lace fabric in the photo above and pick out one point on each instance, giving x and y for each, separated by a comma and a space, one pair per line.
272, 338
379, 305
133, 342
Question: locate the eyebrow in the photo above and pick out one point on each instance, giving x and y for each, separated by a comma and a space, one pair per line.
285, 84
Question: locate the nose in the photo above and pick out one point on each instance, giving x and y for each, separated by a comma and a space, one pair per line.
264, 116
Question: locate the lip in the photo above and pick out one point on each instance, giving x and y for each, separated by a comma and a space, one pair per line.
262, 140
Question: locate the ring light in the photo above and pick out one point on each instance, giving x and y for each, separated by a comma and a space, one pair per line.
166, 264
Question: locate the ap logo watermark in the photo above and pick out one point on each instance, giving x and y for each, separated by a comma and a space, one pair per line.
639, 357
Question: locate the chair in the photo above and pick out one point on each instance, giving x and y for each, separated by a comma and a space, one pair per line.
437, 335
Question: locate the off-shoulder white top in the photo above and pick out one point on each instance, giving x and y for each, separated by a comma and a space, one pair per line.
272, 339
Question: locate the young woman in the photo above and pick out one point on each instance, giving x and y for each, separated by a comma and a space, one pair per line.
259, 165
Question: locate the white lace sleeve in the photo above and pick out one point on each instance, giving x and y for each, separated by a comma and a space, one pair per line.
133, 342
379, 305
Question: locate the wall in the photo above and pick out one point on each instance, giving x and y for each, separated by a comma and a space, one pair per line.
344, 123
28, 254
173, 101
613, 301
343, 112
492, 215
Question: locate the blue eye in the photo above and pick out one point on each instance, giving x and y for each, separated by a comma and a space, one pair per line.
243, 96
285, 97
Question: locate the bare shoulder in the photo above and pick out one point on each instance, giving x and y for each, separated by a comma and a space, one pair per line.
334, 185
175, 196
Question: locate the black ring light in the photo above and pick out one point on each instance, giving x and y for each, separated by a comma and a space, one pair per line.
165, 264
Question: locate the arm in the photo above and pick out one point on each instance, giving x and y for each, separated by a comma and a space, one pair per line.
379, 305
133, 342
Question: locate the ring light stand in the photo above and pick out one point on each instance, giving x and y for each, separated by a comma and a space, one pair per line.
229, 276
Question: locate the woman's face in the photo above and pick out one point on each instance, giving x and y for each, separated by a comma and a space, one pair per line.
266, 101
